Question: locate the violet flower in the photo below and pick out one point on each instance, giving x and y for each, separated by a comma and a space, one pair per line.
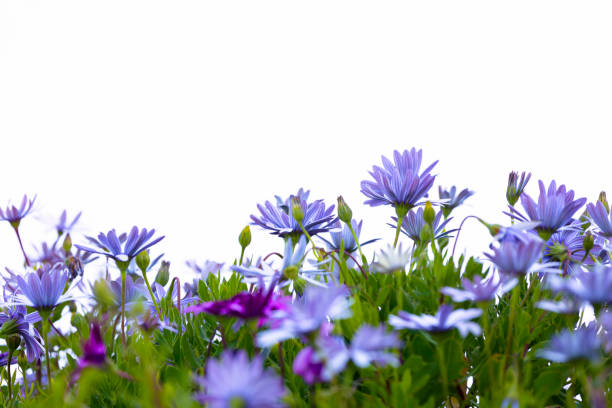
14, 215
519, 257
309, 365
480, 290
451, 200
369, 345
15, 321
279, 218
599, 215
63, 226
111, 246
234, 381
342, 233
4, 359
593, 285
580, 344
554, 208
444, 320
45, 292
516, 186
94, 350
307, 314
413, 223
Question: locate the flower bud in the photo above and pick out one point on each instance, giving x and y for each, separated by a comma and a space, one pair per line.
515, 186
429, 214
602, 198
344, 211
163, 274
296, 209
9, 328
12, 342
588, 242
143, 260
102, 293
245, 237
67, 245
426, 233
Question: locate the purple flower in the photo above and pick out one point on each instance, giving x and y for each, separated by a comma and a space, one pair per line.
63, 225
606, 324
342, 233
599, 215
15, 321
279, 218
565, 306
94, 350
445, 319
451, 200
307, 314
566, 247
309, 366
234, 381
594, 285
14, 215
519, 257
43, 292
369, 345
480, 290
111, 246
4, 359
580, 344
133, 291
554, 208
515, 186
414, 222
399, 184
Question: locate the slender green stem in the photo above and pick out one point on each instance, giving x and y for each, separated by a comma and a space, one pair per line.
48, 360
513, 309
397, 231
241, 256
8, 367
314, 247
144, 275
123, 273
443, 372
356, 240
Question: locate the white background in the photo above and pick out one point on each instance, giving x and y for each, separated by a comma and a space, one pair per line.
183, 115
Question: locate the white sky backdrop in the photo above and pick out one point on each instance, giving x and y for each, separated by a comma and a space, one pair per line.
183, 115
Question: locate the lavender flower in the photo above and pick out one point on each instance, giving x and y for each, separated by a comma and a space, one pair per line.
133, 291
451, 200
516, 186
63, 226
369, 344
15, 321
565, 306
594, 285
599, 215
234, 381
606, 324
391, 260
480, 290
414, 222
342, 233
44, 292
519, 257
307, 314
445, 319
554, 209
566, 346
567, 247
4, 359
14, 215
308, 365
111, 246
399, 184
279, 218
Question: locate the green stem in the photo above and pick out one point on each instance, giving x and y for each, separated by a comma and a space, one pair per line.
123, 273
48, 361
513, 309
397, 231
8, 366
241, 256
363, 258
443, 372
144, 275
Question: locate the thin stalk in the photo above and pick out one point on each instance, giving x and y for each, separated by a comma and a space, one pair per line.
123, 273
10, 383
314, 247
48, 361
241, 256
443, 373
281, 362
513, 309
27, 261
356, 240
144, 275
397, 231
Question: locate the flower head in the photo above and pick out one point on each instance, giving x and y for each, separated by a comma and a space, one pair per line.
599, 215
111, 246
15, 321
279, 218
307, 314
63, 226
391, 260
516, 186
594, 285
579, 344
45, 291
519, 257
342, 233
451, 200
94, 350
445, 319
234, 381
399, 183
369, 345
309, 366
14, 215
414, 222
554, 208
480, 290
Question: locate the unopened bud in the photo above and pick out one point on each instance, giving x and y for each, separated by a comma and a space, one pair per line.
296, 209
426, 233
103, 294
429, 214
602, 198
245, 237
344, 211
143, 260
67, 245
516, 186
163, 274
588, 242
12, 342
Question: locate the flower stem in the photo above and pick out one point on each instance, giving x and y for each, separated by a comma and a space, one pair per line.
241, 256
123, 273
281, 362
363, 258
27, 261
8, 366
397, 231
513, 309
144, 275
443, 373
48, 361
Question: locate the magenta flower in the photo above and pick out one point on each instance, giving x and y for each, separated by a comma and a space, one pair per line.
94, 350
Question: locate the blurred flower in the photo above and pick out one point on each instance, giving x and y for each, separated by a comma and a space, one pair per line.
43, 292
565, 306
451, 200
308, 365
399, 184
521, 231
394, 259
554, 208
111, 246
599, 215
369, 345
63, 226
516, 187
133, 291
342, 233
307, 314
593, 286
606, 323
579, 344
15, 321
14, 215
4, 359
279, 218
445, 319
519, 257
414, 222
234, 381
94, 350
480, 290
